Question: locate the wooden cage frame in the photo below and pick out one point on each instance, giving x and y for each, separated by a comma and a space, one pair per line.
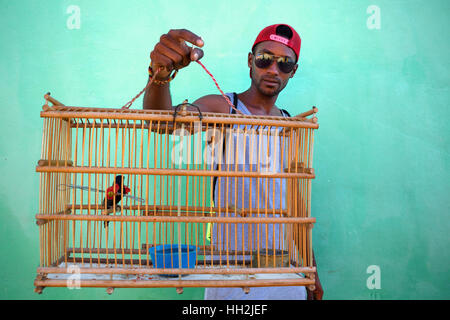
71, 231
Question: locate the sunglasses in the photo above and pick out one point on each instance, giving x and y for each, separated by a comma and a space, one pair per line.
265, 60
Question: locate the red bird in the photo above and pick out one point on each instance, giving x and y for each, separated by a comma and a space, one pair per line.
114, 195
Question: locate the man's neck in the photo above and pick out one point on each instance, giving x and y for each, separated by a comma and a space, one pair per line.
254, 100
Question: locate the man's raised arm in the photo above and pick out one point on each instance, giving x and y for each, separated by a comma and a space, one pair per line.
169, 54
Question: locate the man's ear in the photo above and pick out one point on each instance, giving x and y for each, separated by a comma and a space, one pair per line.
250, 59
293, 71
250, 62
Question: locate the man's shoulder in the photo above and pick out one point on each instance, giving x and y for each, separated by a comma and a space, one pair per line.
213, 103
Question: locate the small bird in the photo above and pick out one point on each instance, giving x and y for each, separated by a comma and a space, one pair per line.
114, 195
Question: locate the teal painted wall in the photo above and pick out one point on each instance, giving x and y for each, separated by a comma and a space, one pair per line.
381, 196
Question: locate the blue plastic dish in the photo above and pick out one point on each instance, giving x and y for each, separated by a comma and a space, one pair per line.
167, 256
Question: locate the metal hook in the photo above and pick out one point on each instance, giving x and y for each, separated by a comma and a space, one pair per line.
184, 104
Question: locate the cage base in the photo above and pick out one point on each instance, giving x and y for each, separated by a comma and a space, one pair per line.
112, 280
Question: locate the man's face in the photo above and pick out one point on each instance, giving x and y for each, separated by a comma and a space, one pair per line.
272, 80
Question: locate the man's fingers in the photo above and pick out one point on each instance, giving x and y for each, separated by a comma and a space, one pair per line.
183, 34
173, 51
196, 54
173, 44
162, 60
174, 56
184, 51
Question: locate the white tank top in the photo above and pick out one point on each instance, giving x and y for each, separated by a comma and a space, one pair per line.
242, 198
241, 152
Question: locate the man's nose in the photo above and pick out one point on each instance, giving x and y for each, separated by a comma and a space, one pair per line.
273, 68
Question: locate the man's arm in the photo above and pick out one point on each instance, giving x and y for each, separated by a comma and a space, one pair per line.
169, 54
172, 53
157, 97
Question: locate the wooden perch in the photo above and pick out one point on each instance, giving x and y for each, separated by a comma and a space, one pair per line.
41, 222
55, 163
55, 103
307, 113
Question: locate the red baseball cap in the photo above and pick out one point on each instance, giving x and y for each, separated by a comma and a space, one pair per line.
281, 33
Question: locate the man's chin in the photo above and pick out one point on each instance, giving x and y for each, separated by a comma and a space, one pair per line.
269, 92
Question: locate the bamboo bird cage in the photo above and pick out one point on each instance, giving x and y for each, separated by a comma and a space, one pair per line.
246, 234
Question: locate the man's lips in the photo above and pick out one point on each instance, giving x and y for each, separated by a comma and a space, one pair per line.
270, 81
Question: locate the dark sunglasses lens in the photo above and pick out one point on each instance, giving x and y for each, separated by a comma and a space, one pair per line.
262, 62
265, 60
286, 67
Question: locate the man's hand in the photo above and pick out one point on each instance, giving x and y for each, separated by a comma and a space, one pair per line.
172, 52
317, 294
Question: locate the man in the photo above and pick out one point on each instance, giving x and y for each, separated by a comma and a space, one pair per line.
272, 62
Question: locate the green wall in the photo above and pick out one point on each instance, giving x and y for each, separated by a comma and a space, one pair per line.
381, 195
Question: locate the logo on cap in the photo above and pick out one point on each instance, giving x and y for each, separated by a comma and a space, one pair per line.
283, 40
